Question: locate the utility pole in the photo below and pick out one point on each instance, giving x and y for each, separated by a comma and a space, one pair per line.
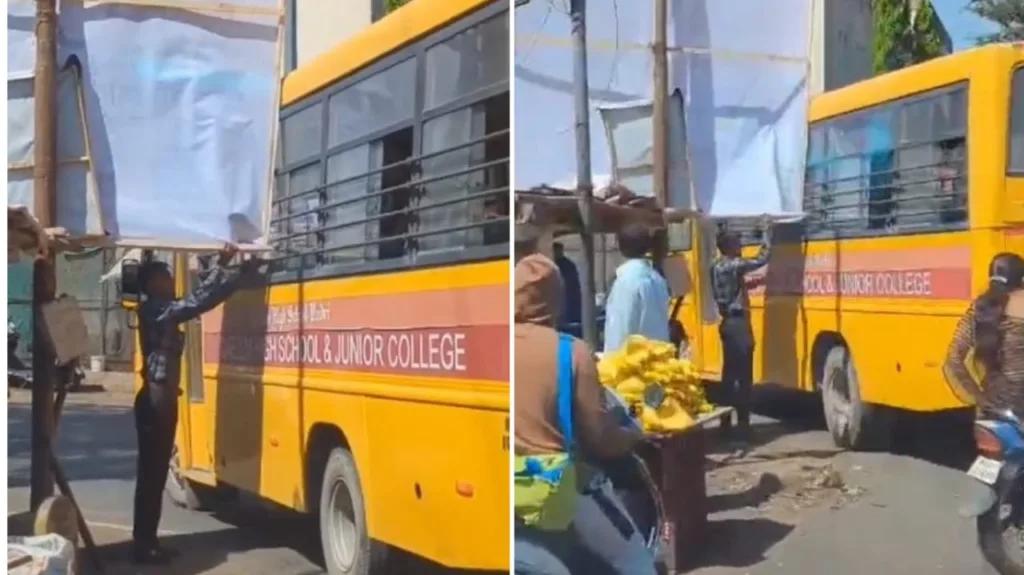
584, 177
659, 51
44, 281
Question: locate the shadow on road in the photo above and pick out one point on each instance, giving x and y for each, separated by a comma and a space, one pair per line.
252, 544
91, 443
767, 485
742, 542
942, 438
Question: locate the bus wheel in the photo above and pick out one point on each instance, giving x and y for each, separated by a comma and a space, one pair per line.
853, 423
344, 537
189, 494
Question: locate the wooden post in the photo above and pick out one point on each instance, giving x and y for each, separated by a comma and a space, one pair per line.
44, 281
659, 51
660, 116
584, 177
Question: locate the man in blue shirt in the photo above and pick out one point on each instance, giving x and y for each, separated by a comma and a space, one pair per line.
573, 310
638, 303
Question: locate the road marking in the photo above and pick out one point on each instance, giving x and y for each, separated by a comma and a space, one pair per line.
128, 528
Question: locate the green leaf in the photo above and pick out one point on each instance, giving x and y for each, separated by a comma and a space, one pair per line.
393, 5
902, 40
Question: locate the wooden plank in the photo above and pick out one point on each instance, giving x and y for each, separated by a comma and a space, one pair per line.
165, 245
207, 7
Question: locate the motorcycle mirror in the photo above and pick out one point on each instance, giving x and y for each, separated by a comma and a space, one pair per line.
130, 288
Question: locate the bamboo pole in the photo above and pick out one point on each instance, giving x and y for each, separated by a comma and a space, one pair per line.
584, 177
44, 281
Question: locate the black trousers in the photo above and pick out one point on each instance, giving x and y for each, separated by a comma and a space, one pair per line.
737, 367
156, 417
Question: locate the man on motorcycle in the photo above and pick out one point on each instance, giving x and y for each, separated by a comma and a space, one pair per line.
601, 524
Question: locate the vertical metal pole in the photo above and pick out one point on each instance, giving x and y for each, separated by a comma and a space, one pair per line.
44, 282
659, 51
291, 43
584, 179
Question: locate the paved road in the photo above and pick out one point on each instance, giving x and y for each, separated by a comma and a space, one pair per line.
97, 447
891, 514
894, 514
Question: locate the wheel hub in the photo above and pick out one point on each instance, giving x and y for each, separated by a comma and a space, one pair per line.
838, 389
342, 524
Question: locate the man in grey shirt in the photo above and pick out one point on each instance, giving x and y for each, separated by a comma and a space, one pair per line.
729, 286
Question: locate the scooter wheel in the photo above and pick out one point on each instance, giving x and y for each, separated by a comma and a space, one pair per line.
1001, 543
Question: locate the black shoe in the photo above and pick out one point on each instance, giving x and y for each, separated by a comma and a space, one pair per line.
151, 555
168, 551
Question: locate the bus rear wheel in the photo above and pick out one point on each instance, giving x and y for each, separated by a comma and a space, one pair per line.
853, 423
344, 536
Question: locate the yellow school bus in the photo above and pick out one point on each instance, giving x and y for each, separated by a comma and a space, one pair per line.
915, 179
368, 383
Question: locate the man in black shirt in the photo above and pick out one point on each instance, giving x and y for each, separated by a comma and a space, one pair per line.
573, 310
729, 285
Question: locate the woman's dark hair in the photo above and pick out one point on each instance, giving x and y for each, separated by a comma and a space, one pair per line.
1006, 274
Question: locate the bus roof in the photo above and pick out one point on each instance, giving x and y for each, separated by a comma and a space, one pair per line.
403, 26
912, 80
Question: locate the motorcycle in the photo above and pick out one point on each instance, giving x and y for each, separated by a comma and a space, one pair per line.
998, 507
634, 486
18, 374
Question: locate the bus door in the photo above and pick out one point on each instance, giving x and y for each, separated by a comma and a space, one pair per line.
688, 275
711, 343
196, 431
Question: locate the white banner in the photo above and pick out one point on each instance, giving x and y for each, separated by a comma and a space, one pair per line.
740, 65
180, 106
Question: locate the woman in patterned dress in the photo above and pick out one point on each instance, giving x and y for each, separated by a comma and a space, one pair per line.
985, 363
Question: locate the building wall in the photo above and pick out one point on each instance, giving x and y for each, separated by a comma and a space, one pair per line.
842, 33
321, 24
947, 40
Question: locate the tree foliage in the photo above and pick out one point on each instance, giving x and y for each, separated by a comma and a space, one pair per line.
925, 40
395, 5
903, 38
892, 21
1008, 15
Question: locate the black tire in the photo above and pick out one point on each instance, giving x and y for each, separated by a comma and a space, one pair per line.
344, 537
993, 544
853, 423
189, 494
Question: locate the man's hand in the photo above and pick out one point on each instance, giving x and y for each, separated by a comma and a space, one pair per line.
227, 253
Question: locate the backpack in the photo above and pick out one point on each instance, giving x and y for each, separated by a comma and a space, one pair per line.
545, 485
